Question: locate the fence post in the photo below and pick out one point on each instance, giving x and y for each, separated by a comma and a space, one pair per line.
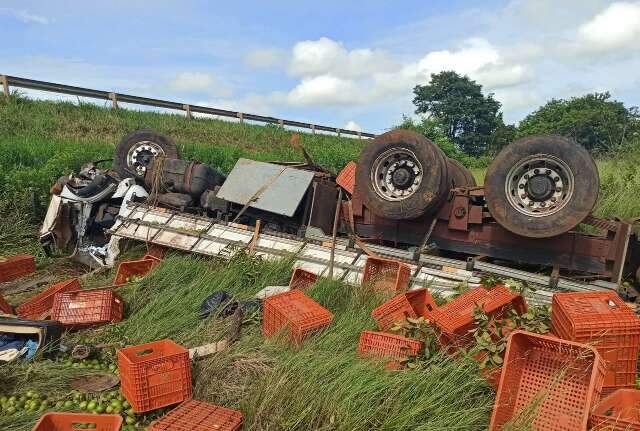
281, 123
5, 85
114, 100
359, 134
187, 109
240, 117
313, 128
338, 132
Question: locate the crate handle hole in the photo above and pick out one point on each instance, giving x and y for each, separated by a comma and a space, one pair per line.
144, 352
83, 425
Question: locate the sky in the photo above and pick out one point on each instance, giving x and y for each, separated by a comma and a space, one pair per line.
344, 64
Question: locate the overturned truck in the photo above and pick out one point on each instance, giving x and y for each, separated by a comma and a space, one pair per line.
402, 199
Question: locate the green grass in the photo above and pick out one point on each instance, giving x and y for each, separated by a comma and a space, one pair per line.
322, 384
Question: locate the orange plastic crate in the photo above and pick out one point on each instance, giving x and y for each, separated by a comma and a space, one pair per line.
87, 307
455, 319
386, 275
296, 312
76, 421
620, 411
36, 306
302, 279
157, 251
385, 345
559, 380
347, 177
4, 306
138, 268
155, 375
195, 415
13, 267
604, 320
413, 304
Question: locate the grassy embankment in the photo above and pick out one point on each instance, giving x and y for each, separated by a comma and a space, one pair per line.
322, 385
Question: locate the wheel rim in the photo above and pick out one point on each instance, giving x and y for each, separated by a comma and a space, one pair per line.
396, 174
539, 185
141, 155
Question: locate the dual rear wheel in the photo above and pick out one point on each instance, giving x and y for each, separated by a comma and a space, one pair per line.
539, 186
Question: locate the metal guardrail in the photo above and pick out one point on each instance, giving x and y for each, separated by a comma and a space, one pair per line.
115, 98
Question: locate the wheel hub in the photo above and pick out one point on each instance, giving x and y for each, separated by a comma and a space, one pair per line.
396, 174
539, 185
141, 155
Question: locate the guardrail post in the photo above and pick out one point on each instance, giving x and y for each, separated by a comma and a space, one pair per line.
338, 132
313, 128
281, 123
359, 134
114, 100
5, 85
241, 117
187, 109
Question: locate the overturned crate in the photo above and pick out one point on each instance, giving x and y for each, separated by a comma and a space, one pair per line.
132, 269
87, 308
296, 313
382, 345
38, 306
413, 304
195, 415
386, 275
547, 384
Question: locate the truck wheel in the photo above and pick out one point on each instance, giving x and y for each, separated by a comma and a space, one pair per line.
402, 175
136, 151
541, 186
459, 175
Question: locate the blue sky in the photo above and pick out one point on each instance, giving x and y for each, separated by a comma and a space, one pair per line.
345, 64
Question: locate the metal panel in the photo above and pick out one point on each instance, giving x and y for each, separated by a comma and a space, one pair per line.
274, 188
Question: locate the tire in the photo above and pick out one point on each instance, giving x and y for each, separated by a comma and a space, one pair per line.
99, 184
416, 171
459, 175
524, 198
136, 151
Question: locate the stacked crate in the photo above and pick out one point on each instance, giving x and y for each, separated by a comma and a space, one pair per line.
603, 320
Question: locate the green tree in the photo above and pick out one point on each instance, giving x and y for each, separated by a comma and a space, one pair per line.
595, 121
468, 117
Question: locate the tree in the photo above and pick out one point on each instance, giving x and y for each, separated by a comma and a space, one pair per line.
468, 117
430, 128
594, 121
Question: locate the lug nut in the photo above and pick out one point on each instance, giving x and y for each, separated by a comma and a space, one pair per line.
543, 204
536, 171
548, 172
531, 203
526, 177
558, 189
553, 199
556, 179
523, 196
521, 186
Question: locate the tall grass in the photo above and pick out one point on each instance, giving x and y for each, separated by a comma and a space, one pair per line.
321, 385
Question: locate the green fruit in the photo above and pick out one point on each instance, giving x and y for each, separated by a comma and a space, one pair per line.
112, 367
100, 408
116, 403
92, 405
108, 409
126, 404
29, 394
130, 412
130, 420
83, 405
68, 404
11, 410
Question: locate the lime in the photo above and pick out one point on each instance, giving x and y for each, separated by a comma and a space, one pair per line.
126, 404
130, 420
83, 405
92, 405
100, 408
108, 409
68, 404
11, 410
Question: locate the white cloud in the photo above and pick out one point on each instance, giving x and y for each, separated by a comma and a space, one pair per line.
326, 56
352, 125
198, 82
615, 28
263, 58
324, 90
478, 59
25, 16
